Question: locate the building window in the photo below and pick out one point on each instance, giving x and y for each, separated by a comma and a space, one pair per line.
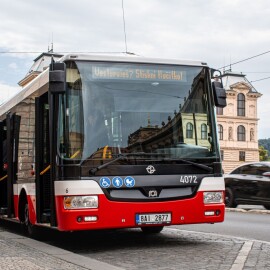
241, 133
222, 154
220, 132
189, 131
241, 105
219, 111
204, 132
242, 155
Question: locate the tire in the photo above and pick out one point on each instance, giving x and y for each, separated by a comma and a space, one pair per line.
28, 227
267, 207
230, 198
152, 229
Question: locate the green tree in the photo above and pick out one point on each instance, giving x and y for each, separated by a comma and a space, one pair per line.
263, 153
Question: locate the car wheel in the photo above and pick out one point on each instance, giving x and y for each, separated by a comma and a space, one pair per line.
267, 207
229, 198
152, 229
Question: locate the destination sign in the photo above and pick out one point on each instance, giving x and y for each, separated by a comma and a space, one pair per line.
136, 73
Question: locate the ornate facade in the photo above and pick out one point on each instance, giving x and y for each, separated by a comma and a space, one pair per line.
237, 123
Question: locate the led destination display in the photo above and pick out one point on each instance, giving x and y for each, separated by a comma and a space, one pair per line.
134, 73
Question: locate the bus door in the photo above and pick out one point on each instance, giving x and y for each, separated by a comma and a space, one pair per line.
3, 167
12, 143
43, 183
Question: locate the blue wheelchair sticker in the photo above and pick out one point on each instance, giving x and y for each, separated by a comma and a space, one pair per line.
105, 182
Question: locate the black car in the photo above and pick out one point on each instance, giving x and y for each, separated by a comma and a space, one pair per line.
248, 184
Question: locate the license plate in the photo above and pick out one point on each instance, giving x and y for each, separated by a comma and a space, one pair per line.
159, 218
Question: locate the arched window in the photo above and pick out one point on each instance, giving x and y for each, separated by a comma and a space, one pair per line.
241, 133
241, 104
220, 132
204, 132
189, 133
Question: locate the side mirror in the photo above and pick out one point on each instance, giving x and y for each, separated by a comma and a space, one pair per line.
267, 174
219, 94
57, 78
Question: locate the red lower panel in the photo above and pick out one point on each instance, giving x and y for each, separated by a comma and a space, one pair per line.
122, 214
16, 205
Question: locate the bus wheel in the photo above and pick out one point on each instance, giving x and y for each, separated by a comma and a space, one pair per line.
28, 227
152, 229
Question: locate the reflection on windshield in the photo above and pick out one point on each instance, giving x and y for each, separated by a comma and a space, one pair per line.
120, 109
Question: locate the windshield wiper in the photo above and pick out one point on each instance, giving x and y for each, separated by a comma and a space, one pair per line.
119, 157
205, 167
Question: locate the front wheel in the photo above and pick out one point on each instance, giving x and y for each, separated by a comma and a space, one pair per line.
229, 198
152, 229
28, 227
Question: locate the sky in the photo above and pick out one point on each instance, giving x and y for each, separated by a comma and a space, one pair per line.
213, 31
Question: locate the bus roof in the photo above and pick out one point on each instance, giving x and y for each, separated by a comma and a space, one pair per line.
37, 87
130, 58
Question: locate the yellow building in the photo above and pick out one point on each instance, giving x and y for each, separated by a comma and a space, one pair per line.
237, 123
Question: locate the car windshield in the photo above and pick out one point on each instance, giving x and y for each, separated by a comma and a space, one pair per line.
114, 108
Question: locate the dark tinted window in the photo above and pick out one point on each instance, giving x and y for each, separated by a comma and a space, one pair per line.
241, 133
220, 132
244, 169
236, 171
260, 169
241, 105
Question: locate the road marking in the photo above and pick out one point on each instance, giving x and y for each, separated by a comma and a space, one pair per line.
240, 260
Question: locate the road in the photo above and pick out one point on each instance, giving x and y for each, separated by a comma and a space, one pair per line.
177, 247
247, 225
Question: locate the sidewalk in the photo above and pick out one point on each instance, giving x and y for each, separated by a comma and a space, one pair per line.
21, 253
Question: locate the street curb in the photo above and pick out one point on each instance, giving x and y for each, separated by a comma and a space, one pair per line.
253, 211
59, 253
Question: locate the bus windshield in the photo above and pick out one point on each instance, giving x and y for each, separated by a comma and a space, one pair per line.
111, 109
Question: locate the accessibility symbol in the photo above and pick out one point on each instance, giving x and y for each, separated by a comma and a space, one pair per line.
129, 181
105, 182
117, 182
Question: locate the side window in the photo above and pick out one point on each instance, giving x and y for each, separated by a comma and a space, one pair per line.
236, 171
252, 170
262, 169
244, 170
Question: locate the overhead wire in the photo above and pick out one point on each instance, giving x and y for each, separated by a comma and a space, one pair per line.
246, 59
261, 79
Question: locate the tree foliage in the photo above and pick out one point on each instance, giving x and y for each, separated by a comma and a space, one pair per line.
265, 143
263, 153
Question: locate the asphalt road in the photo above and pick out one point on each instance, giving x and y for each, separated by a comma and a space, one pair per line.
247, 225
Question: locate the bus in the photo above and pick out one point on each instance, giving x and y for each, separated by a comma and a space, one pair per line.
106, 142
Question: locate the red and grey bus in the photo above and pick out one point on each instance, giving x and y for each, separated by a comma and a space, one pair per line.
104, 142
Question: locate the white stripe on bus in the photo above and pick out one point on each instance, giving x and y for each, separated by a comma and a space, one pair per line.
77, 187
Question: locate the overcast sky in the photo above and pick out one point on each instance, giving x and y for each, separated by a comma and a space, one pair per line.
214, 31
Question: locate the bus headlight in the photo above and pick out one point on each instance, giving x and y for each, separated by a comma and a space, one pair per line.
213, 197
80, 202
